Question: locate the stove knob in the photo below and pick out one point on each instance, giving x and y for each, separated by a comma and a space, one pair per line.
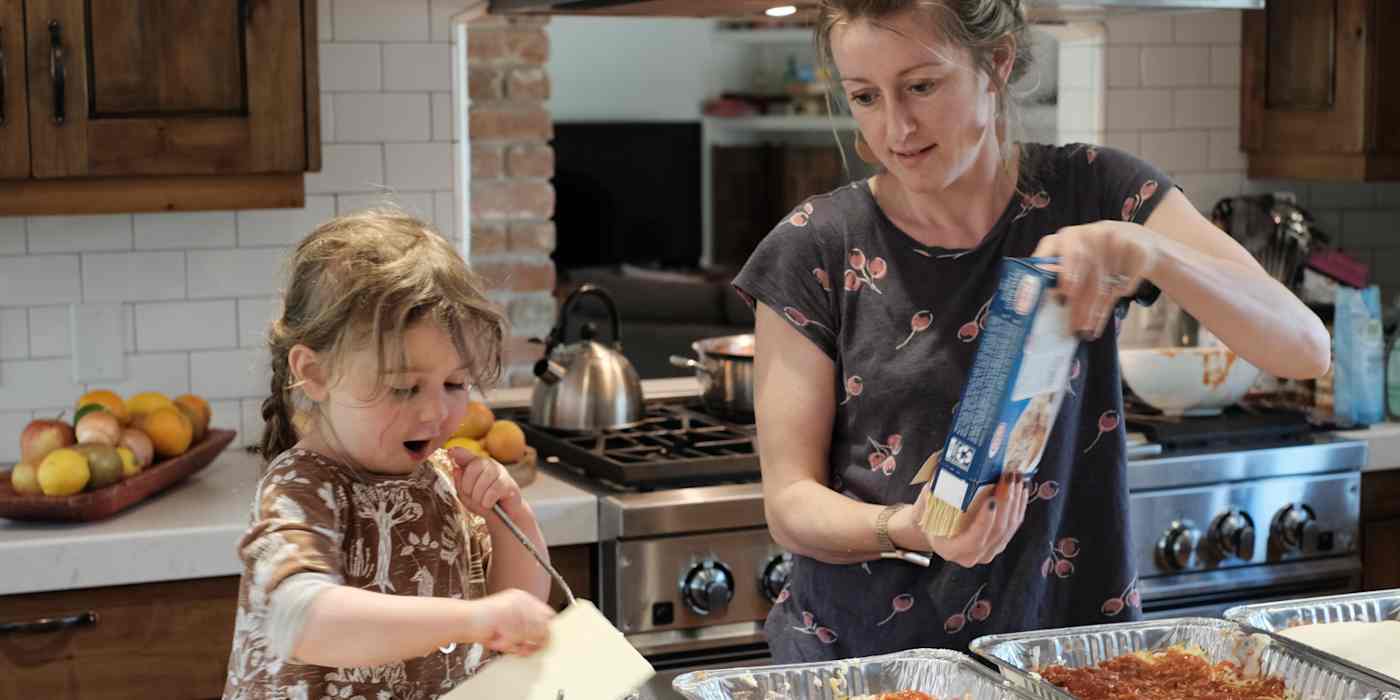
708, 587
775, 576
1177, 548
1292, 525
1233, 535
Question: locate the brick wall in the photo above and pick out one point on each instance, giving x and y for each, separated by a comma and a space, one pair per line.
512, 199
198, 288
1173, 98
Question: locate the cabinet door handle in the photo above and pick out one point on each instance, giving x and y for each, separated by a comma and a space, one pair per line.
49, 624
56, 70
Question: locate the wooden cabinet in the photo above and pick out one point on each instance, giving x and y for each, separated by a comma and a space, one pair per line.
1380, 529
156, 640
755, 186
14, 117
163, 104
1321, 90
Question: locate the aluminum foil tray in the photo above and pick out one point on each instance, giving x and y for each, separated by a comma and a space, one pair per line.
1372, 606
943, 674
1306, 675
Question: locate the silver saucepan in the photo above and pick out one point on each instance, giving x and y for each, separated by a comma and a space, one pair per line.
725, 371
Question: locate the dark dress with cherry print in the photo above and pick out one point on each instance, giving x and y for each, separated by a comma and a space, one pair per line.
901, 320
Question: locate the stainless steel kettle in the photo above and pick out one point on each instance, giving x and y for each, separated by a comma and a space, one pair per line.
585, 385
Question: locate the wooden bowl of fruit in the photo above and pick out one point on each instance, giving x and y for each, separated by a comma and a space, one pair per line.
114, 455
502, 440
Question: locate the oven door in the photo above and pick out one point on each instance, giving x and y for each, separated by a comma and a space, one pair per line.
1209, 594
676, 652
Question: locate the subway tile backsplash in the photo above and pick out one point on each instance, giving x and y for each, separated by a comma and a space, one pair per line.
1173, 85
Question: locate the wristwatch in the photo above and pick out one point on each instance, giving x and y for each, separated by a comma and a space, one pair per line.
887, 548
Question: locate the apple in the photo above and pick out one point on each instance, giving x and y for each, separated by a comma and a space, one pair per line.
99, 427
42, 436
140, 445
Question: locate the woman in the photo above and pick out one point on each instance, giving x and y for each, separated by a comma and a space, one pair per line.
868, 300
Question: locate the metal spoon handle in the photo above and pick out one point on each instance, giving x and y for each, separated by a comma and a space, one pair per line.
530, 546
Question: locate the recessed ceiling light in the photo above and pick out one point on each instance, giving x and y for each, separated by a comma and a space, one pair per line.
781, 11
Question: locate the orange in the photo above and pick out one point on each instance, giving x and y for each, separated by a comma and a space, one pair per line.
505, 441
170, 430
476, 422
147, 401
197, 403
108, 400
197, 424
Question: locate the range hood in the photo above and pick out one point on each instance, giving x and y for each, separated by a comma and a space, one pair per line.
1039, 11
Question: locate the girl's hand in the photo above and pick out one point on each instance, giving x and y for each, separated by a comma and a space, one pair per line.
510, 622
482, 483
991, 521
1099, 264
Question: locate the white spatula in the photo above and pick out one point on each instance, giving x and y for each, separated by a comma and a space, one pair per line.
586, 658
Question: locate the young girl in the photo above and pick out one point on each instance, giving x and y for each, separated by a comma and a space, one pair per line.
363, 577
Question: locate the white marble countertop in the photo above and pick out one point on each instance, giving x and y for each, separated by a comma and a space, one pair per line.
192, 530
1383, 445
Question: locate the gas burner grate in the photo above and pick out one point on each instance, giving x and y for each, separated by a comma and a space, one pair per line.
1232, 428
674, 444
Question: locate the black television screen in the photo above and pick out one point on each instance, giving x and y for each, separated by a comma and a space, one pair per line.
627, 192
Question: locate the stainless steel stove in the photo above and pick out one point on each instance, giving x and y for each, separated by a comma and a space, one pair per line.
686, 567
1242, 508
1223, 511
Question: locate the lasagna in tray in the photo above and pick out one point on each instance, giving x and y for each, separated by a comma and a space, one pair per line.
1169, 674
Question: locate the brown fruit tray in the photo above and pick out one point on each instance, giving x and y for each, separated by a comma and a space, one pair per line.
110, 500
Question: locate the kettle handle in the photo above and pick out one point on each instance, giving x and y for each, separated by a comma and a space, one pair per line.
587, 289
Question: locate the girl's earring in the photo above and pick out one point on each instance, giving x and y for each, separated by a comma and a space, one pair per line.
863, 150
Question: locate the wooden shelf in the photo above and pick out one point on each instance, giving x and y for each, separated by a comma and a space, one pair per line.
781, 123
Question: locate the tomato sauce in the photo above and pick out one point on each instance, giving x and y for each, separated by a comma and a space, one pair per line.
1166, 675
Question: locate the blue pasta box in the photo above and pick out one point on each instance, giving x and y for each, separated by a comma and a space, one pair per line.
1012, 395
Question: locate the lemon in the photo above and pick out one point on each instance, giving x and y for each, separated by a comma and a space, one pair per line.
468, 444
64, 472
130, 467
25, 480
147, 402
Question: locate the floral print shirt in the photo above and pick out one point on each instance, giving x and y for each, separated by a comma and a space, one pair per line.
401, 535
901, 321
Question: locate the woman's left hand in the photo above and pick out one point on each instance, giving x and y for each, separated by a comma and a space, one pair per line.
1100, 263
483, 482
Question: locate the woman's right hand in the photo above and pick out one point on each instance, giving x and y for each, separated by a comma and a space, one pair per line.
995, 515
510, 622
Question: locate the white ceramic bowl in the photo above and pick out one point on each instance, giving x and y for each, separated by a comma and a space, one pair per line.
1187, 381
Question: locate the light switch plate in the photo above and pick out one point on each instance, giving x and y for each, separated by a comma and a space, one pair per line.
99, 342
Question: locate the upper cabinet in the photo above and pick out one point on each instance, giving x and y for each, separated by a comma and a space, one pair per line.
14, 119
1321, 90
133, 105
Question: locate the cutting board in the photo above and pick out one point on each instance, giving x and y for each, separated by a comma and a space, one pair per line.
586, 657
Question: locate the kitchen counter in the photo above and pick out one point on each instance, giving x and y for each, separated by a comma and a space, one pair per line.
191, 531
1383, 442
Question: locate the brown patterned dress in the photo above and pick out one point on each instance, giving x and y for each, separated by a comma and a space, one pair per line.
400, 535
